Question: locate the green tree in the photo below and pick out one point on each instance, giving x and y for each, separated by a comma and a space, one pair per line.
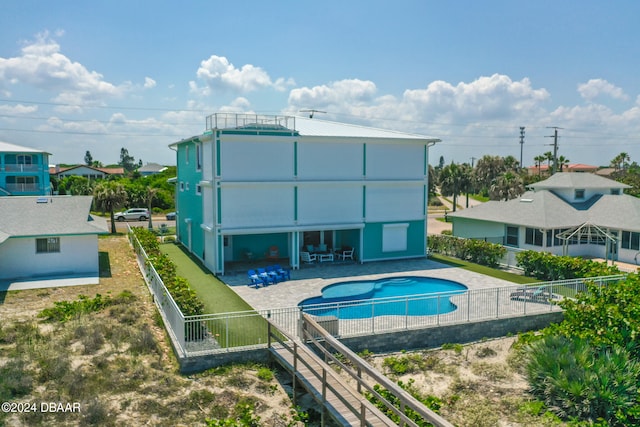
450, 182
620, 162
88, 158
562, 162
75, 185
127, 161
539, 160
109, 196
151, 195
507, 186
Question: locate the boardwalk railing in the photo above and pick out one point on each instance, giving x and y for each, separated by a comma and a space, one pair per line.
337, 399
214, 333
367, 376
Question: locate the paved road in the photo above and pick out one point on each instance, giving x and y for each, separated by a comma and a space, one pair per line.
157, 221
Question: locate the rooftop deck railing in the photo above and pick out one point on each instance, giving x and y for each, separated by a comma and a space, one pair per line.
254, 121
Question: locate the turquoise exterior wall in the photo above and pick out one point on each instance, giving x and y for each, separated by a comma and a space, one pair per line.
188, 202
258, 245
372, 241
24, 178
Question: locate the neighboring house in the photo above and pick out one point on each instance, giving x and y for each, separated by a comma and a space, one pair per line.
572, 167
579, 214
23, 171
89, 172
151, 169
255, 186
48, 237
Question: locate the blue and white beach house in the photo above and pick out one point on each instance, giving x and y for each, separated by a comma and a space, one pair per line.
23, 171
296, 189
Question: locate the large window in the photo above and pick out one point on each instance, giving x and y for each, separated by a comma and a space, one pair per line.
533, 236
24, 159
630, 240
512, 236
48, 245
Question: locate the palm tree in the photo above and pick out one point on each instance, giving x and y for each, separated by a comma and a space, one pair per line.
488, 169
548, 156
506, 187
539, 160
562, 162
450, 177
110, 195
621, 161
151, 195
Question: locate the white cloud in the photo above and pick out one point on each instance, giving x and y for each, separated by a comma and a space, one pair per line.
41, 65
149, 83
218, 72
18, 109
496, 97
598, 87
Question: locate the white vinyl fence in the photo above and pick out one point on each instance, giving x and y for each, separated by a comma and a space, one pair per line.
213, 333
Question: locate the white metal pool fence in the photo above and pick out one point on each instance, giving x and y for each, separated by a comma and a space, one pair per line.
213, 333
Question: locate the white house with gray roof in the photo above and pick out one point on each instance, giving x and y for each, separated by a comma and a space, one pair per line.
579, 214
48, 237
289, 189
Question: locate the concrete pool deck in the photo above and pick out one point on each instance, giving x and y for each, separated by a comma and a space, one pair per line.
309, 280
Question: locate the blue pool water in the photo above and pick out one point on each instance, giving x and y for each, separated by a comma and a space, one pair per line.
412, 296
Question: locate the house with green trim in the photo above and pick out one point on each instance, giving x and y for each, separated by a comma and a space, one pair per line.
47, 237
24, 171
257, 188
569, 213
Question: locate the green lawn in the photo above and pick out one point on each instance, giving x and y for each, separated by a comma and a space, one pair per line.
218, 298
493, 272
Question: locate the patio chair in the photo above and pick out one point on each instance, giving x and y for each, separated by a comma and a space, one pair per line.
255, 279
345, 254
273, 273
266, 277
308, 258
284, 273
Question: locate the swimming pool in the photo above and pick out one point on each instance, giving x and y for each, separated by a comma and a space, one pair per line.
400, 296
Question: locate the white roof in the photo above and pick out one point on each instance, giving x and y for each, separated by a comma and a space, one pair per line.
577, 180
6, 147
315, 127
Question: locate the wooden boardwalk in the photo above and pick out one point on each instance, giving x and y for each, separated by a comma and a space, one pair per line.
339, 401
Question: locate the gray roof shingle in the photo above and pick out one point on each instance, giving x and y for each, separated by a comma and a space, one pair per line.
27, 216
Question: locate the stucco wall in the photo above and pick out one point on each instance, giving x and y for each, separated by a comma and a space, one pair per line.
78, 255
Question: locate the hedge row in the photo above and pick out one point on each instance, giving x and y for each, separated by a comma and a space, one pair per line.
178, 287
477, 251
546, 266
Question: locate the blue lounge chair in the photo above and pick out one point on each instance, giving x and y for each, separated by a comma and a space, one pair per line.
266, 277
273, 273
255, 279
285, 274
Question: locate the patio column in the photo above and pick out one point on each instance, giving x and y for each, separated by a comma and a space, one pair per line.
295, 250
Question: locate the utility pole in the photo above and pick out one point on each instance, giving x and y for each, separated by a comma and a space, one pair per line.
521, 145
472, 160
555, 147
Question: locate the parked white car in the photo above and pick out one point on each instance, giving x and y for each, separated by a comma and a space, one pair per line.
133, 214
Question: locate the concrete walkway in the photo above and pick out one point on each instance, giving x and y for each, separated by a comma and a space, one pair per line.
309, 280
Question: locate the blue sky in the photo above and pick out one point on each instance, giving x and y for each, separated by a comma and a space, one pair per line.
98, 76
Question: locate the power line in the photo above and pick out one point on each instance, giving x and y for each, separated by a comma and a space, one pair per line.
104, 107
